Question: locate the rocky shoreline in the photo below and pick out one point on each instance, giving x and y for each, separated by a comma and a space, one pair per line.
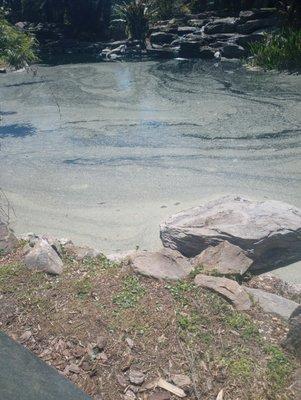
208, 35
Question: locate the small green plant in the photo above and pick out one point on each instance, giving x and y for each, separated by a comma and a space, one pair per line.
242, 367
179, 290
16, 48
131, 293
279, 367
278, 51
96, 264
243, 324
83, 287
189, 322
197, 270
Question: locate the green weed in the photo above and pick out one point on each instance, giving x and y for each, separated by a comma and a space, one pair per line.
131, 293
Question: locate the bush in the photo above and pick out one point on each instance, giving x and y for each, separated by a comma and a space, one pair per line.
279, 51
16, 48
137, 14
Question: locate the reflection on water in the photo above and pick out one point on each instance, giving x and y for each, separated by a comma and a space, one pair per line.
16, 130
135, 136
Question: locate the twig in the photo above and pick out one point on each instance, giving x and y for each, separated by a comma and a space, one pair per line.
6, 209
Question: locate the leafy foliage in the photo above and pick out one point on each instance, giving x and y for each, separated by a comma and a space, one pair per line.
279, 51
16, 48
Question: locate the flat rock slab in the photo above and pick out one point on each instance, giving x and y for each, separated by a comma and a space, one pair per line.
164, 264
228, 288
24, 376
224, 258
272, 303
269, 231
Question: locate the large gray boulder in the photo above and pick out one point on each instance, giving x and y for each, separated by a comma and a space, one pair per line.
228, 288
189, 49
232, 50
8, 241
269, 231
254, 25
42, 257
164, 264
206, 53
225, 258
162, 38
272, 303
222, 25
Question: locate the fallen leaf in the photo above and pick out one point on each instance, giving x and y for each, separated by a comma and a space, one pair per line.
220, 395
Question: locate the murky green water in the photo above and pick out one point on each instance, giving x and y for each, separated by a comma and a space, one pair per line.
101, 153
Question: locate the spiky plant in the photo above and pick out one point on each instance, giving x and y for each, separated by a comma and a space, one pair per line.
279, 51
137, 14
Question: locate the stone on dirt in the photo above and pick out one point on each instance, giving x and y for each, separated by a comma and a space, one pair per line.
44, 258
159, 396
181, 380
268, 231
272, 303
225, 258
164, 264
122, 256
81, 252
136, 377
228, 288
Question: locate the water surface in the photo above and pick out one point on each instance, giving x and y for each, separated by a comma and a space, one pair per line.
101, 153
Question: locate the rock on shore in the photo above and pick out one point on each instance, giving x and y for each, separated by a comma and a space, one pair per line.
269, 232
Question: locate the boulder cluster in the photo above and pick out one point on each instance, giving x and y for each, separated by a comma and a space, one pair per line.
208, 35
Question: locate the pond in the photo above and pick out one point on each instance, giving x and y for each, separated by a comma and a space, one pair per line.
102, 152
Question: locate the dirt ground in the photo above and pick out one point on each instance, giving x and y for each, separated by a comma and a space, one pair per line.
98, 323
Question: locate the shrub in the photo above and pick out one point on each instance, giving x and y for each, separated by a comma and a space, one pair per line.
278, 51
137, 14
16, 48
